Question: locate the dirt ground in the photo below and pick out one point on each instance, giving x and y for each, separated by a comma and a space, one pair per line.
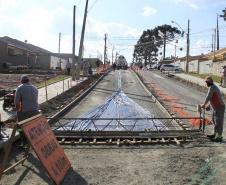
11, 79
198, 162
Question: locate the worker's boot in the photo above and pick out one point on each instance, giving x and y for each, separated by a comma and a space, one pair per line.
211, 135
218, 138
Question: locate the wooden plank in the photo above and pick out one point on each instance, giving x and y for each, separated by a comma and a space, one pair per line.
129, 142
134, 140
175, 139
118, 142
62, 140
16, 164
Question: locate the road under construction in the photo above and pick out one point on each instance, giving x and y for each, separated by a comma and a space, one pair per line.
121, 110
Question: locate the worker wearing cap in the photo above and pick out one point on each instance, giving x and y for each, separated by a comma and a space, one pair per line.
216, 102
26, 100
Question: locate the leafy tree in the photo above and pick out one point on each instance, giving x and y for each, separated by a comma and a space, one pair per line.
167, 33
150, 41
147, 46
224, 14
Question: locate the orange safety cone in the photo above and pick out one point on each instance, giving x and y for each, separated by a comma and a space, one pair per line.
168, 73
98, 71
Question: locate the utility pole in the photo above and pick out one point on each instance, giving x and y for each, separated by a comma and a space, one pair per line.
175, 53
217, 34
59, 48
214, 45
73, 51
81, 43
212, 42
112, 55
187, 56
105, 38
59, 44
164, 49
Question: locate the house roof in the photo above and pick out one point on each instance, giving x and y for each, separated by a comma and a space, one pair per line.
64, 55
166, 61
13, 44
191, 58
25, 45
219, 54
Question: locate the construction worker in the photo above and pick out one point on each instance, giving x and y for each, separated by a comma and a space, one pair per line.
223, 75
26, 101
114, 66
216, 102
68, 66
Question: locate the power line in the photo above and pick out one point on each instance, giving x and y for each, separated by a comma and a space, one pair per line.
92, 5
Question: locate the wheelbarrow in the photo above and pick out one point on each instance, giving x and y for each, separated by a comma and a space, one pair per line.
9, 100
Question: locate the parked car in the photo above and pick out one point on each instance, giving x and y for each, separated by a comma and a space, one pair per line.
170, 67
159, 66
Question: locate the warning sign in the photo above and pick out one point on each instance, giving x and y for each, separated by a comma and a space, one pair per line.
47, 148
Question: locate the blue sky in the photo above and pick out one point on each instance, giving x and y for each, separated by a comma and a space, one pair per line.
40, 22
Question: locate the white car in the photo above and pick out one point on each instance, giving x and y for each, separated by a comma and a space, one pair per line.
170, 67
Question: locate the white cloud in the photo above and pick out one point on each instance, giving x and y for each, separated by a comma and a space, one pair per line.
198, 4
191, 3
148, 11
4, 4
200, 47
115, 29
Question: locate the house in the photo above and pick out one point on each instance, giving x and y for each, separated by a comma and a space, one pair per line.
64, 58
15, 52
12, 54
211, 65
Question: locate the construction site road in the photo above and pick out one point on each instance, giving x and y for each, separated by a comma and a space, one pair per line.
198, 162
131, 86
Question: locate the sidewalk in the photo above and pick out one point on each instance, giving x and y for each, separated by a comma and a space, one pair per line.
197, 80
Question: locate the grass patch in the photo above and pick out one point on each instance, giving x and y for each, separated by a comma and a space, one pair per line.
203, 76
52, 80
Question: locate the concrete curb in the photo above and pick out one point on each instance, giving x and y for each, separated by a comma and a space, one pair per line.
76, 101
177, 126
